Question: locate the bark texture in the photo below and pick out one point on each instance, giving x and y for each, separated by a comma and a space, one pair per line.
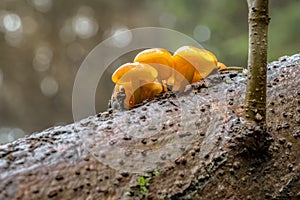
255, 102
178, 146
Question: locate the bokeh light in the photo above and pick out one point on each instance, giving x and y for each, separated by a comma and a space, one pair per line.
201, 33
12, 22
14, 39
42, 5
49, 86
10, 134
84, 26
42, 58
121, 36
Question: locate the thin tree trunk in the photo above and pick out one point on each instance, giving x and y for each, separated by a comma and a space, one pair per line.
255, 101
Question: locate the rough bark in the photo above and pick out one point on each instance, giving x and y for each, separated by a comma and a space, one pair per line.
205, 158
255, 101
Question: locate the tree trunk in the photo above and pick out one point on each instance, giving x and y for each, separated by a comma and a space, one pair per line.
255, 101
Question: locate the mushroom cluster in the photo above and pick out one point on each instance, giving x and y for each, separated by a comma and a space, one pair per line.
156, 70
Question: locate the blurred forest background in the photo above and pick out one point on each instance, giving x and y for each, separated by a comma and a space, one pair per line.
43, 43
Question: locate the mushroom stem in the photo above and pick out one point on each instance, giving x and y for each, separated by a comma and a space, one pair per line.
164, 85
136, 89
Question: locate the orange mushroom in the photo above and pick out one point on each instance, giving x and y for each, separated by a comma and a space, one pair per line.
137, 79
154, 69
221, 66
192, 64
158, 58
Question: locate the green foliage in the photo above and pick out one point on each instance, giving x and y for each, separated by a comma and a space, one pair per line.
155, 172
144, 181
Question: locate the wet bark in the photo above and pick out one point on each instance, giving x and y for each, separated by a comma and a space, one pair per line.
178, 146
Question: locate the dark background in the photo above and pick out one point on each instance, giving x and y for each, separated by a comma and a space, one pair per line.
43, 43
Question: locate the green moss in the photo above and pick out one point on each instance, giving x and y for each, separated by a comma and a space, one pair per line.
144, 183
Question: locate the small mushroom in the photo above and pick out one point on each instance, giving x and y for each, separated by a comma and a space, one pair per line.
118, 97
137, 80
192, 64
221, 66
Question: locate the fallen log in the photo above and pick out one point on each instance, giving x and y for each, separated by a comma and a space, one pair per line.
193, 145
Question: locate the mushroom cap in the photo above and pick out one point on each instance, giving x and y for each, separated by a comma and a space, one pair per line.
189, 58
134, 71
197, 76
159, 58
211, 55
